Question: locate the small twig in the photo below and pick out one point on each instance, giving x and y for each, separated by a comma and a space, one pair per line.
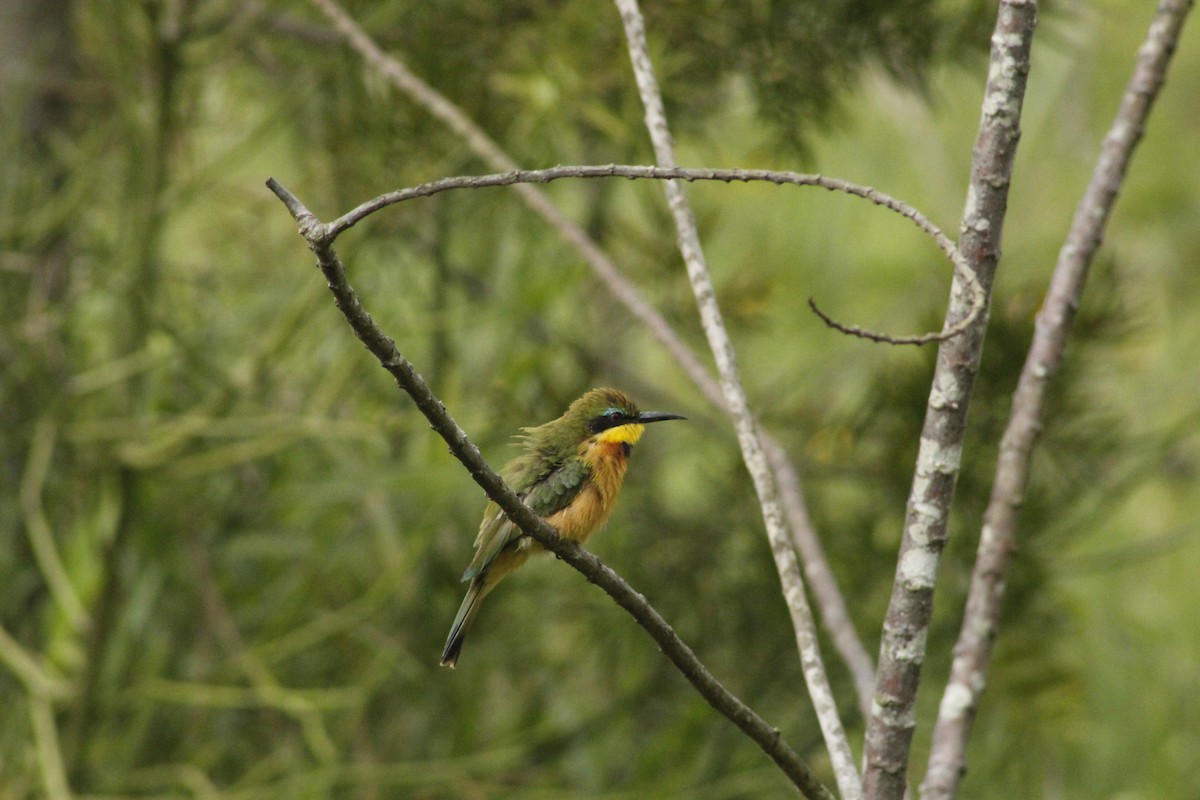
883, 338
406, 376
927, 516
972, 653
753, 453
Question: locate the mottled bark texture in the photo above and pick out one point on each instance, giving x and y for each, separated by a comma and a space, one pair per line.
968, 675
906, 625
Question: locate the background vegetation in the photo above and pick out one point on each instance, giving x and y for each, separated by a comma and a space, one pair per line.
231, 549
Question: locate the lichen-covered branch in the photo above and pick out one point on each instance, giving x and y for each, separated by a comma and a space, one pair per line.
972, 653
906, 625
834, 614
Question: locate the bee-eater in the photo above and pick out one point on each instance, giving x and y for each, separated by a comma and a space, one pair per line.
569, 474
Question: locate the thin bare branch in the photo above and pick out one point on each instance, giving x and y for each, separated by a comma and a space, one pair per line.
320, 239
518, 177
824, 587
906, 625
753, 454
821, 582
420, 91
882, 338
972, 653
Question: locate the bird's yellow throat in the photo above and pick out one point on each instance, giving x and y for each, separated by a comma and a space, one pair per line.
622, 434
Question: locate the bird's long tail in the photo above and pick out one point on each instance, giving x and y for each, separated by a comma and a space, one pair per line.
462, 622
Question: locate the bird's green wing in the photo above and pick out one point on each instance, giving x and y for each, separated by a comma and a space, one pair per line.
557, 488
494, 533
546, 488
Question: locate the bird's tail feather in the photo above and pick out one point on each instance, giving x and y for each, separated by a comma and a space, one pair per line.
462, 622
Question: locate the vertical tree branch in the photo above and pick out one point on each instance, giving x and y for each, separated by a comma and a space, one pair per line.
902, 650
821, 580
968, 674
46, 744
753, 452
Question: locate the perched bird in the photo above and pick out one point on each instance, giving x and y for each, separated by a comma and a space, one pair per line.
570, 473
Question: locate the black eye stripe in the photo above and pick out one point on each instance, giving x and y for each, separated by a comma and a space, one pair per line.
611, 418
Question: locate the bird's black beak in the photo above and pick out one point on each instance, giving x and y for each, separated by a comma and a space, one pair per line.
657, 416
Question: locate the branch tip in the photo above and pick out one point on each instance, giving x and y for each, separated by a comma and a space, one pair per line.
883, 338
312, 229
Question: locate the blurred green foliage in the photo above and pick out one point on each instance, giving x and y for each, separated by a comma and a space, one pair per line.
231, 548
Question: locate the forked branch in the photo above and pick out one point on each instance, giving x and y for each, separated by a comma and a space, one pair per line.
319, 238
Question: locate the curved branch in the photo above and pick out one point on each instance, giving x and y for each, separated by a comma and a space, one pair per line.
319, 238
883, 338
972, 652
962, 271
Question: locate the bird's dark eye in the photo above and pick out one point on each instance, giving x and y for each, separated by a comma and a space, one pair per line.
615, 414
